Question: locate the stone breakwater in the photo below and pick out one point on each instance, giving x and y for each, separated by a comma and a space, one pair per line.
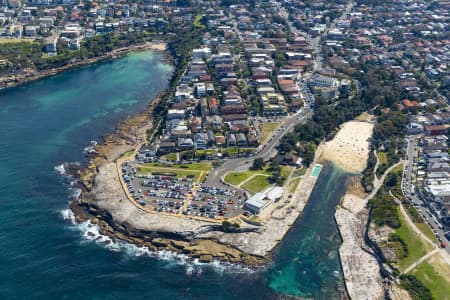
349, 150
29, 75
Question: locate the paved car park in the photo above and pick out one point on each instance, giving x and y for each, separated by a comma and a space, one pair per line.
169, 194
215, 202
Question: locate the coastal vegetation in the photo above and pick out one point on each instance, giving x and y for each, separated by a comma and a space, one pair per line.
384, 210
415, 288
227, 224
30, 54
388, 137
423, 280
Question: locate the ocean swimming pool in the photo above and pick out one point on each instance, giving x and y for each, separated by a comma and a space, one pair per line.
316, 171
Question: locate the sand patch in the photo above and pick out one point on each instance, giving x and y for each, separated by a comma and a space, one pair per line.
349, 149
353, 203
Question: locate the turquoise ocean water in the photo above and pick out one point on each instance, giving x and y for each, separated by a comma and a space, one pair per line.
43, 256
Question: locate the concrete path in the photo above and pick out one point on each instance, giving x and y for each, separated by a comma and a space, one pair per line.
420, 260
377, 184
420, 234
375, 169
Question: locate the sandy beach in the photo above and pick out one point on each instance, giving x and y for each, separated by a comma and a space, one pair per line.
349, 149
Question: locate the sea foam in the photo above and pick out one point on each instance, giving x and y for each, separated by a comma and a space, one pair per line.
193, 267
60, 169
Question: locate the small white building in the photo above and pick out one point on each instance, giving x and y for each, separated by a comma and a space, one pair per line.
256, 203
50, 45
261, 200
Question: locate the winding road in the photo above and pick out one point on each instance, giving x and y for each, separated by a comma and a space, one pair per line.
269, 150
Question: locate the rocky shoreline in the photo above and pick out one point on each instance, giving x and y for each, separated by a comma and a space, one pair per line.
104, 203
360, 267
349, 150
205, 250
85, 207
28, 76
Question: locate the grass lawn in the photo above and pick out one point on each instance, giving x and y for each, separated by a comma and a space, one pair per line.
267, 129
427, 231
293, 184
398, 169
180, 172
171, 156
420, 223
197, 170
299, 172
416, 248
237, 178
382, 157
433, 277
203, 166
256, 184
230, 151
206, 152
285, 171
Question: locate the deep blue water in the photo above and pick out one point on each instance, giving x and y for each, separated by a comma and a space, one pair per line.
49, 122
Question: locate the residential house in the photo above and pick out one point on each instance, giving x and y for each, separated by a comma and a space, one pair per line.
231, 140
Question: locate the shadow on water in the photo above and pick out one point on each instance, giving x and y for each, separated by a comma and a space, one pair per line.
307, 261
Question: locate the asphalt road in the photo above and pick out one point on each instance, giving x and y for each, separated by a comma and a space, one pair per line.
242, 163
408, 184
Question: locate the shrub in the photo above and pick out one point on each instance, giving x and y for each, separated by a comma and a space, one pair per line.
415, 288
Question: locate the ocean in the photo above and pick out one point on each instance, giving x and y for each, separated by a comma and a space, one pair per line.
45, 256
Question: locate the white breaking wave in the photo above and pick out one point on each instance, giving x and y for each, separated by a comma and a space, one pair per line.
60, 169
193, 267
68, 215
90, 149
